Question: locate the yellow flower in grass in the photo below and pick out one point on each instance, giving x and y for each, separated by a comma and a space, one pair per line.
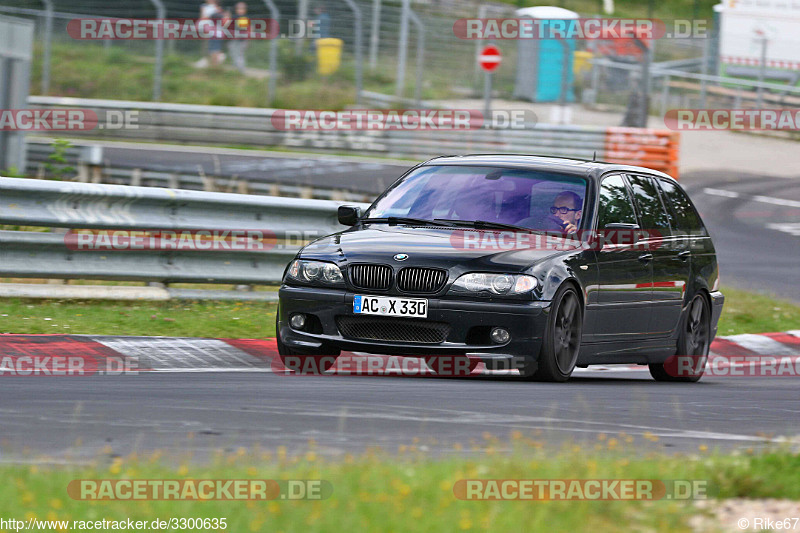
116, 466
703, 448
445, 485
27, 498
311, 456
183, 470
55, 503
274, 508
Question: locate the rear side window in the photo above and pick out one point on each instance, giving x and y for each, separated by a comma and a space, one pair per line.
683, 214
615, 203
652, 212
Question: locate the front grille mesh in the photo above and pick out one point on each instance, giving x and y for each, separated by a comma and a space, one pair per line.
376, 277
424, 280
392, 329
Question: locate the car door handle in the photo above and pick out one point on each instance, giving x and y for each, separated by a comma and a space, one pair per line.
685, 255
644, 258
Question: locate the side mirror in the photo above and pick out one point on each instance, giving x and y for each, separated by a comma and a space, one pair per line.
620, 233
348, 215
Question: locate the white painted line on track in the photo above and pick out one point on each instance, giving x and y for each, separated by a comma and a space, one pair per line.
755, 198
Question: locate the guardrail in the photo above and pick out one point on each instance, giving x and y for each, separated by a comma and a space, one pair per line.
217, 125
281, 224
90, 166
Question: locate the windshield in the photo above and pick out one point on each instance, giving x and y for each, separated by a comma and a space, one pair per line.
530, 199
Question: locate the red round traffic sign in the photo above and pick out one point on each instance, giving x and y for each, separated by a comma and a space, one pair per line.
490, 58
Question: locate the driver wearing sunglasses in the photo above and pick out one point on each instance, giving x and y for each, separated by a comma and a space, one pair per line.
566, 209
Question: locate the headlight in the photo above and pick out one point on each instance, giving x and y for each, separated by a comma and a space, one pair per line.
501, 284
315, 272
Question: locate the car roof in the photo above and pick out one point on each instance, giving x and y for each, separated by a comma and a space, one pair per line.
582, 167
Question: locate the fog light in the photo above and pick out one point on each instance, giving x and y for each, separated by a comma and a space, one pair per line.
500, 335
298, 321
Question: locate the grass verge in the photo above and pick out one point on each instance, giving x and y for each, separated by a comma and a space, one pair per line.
744, 312
171, 318
380, 492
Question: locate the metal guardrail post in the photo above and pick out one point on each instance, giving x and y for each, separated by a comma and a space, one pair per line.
48, 39
420, 56
401, 49
375, 35
703, 82
161, 14
302, 14
273, 52
762, 70
665, 95
359, 52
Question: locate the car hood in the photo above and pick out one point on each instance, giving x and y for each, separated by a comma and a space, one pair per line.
489, 250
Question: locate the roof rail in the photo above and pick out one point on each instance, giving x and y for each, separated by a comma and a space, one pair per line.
529, 155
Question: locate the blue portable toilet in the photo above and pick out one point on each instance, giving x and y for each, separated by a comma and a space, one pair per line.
540, 62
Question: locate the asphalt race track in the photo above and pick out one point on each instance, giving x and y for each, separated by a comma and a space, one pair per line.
755, 224
69, 419
370, 176
190, 397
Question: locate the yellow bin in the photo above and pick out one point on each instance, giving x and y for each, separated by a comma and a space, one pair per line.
581, 61
329, 55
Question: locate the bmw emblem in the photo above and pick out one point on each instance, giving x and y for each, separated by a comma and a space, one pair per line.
400, 257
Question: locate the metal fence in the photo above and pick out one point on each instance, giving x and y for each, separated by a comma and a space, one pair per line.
281, 224
404, 48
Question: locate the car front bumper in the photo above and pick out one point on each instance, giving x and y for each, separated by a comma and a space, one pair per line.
525, 321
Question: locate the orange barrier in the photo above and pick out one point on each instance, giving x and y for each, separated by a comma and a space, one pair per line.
649, 148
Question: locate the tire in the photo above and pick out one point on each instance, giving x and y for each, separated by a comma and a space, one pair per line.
562, 339
694, 341
308, 361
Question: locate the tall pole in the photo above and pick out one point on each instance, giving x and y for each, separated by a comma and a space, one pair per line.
48, 38
359, 49
273, 51
302, 14
762, 71
401, 48
375, 36
161, 14
420, 56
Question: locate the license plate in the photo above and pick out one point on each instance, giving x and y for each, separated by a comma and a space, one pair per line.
388, 306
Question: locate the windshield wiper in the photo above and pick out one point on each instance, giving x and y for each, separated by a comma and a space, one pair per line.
406, 220
484, 224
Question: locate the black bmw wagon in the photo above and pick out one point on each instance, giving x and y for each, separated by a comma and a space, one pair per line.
533, 263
